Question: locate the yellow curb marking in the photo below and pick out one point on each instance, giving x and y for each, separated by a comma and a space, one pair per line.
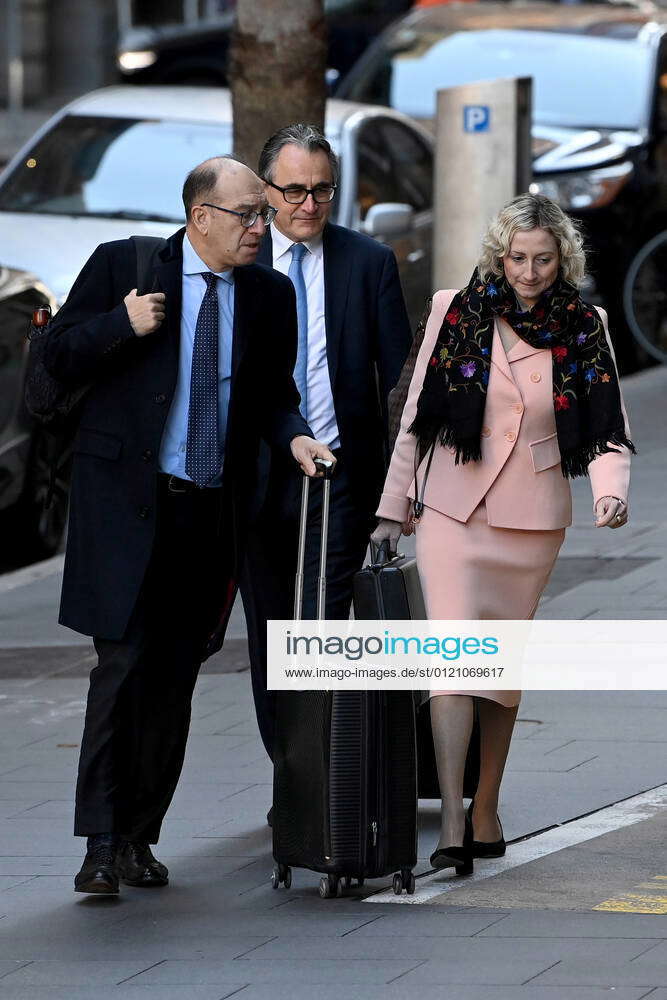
636, 902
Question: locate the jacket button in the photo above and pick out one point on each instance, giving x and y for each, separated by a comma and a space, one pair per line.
535, 377
518, 408
144, 512
147, 455
510, 435
159, 397
486, 432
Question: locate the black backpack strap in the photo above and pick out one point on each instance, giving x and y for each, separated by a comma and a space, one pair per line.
147, 248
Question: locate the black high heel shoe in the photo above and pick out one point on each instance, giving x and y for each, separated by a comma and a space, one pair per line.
489, 848
459, 858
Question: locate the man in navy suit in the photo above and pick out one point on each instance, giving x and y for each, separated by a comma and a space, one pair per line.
354, 336
183, 381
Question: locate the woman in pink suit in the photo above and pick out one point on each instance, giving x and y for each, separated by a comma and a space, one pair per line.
515, 391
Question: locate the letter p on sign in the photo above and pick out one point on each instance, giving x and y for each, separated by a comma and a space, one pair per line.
476, 117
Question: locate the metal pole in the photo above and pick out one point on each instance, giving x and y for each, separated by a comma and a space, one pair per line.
124, 15
301, 557
14, 62
190, 11
324, 541
483, 159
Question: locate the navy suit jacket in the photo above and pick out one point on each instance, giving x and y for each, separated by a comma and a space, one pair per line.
132, 379
368, 339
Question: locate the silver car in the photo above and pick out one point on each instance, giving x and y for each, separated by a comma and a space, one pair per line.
112, 163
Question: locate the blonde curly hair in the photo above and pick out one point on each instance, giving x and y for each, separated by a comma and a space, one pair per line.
533, 211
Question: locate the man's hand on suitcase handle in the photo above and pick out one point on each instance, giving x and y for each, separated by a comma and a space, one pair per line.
305, 449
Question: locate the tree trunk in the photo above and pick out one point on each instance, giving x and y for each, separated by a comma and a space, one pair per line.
277, 66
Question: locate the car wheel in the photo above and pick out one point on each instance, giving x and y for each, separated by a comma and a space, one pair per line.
38, 530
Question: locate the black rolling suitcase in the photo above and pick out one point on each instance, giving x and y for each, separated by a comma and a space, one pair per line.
390, 589
344, 786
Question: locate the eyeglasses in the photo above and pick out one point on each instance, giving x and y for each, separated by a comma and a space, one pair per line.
248, 219
295, 195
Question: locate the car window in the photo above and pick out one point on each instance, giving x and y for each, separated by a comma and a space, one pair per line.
100, 166
394, 165
407, 70
413, 164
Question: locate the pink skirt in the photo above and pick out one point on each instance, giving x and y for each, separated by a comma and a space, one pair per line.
473, 570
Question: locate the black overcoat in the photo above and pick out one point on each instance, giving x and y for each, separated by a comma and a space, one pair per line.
114, 481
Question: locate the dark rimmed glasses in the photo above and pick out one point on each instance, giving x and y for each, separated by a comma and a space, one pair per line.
296, 195
249, 218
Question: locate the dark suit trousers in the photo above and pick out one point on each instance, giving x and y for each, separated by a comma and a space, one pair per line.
267, 580
138, 711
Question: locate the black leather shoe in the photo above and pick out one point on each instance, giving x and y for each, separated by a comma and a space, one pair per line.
269, 817
459, 858
488, 848
99, 872
137, 866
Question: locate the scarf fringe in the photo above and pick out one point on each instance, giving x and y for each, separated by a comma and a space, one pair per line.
429, 430
575, 463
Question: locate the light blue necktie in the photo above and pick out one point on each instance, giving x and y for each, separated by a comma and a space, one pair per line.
295, 273
202, 455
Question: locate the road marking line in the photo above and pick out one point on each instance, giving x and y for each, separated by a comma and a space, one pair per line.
31, 574
654, 901
633, 810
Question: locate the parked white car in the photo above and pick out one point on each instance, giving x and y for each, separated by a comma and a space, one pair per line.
111, 164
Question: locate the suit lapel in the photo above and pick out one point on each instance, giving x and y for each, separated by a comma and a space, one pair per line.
498, 356
245, 306
265, 255
522, 350
337, 266
169, 279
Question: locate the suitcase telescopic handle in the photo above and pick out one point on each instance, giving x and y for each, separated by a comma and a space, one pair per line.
327, 469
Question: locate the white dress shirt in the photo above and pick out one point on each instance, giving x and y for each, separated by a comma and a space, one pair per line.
321, 413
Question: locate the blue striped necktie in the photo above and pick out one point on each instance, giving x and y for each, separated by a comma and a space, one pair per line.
202, 455
301, 368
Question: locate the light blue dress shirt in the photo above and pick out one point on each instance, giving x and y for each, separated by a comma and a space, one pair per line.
175, 436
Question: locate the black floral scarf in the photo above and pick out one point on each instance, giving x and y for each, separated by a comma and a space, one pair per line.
586, 396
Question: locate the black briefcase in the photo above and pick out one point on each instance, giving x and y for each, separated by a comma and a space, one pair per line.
389, 588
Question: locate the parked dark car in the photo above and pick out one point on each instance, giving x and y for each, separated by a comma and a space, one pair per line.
197, 54
27, 530
599, 112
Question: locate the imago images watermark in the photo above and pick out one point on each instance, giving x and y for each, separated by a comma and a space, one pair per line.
468, 655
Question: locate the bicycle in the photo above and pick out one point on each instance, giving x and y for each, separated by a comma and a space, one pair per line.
645, 297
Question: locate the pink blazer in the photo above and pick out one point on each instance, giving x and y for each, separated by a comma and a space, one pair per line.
519, 475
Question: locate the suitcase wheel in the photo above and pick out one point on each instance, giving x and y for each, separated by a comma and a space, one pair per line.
330, 887
404, 879
349, 879
281, 873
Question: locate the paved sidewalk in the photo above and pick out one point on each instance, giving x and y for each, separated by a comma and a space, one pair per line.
527, 933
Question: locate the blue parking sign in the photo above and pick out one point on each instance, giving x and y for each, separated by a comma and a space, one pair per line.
476, 117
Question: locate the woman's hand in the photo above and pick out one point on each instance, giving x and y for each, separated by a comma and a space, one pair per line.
387, 531
610, 512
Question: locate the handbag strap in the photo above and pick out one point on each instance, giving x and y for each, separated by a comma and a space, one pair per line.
418, 506
147, 248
